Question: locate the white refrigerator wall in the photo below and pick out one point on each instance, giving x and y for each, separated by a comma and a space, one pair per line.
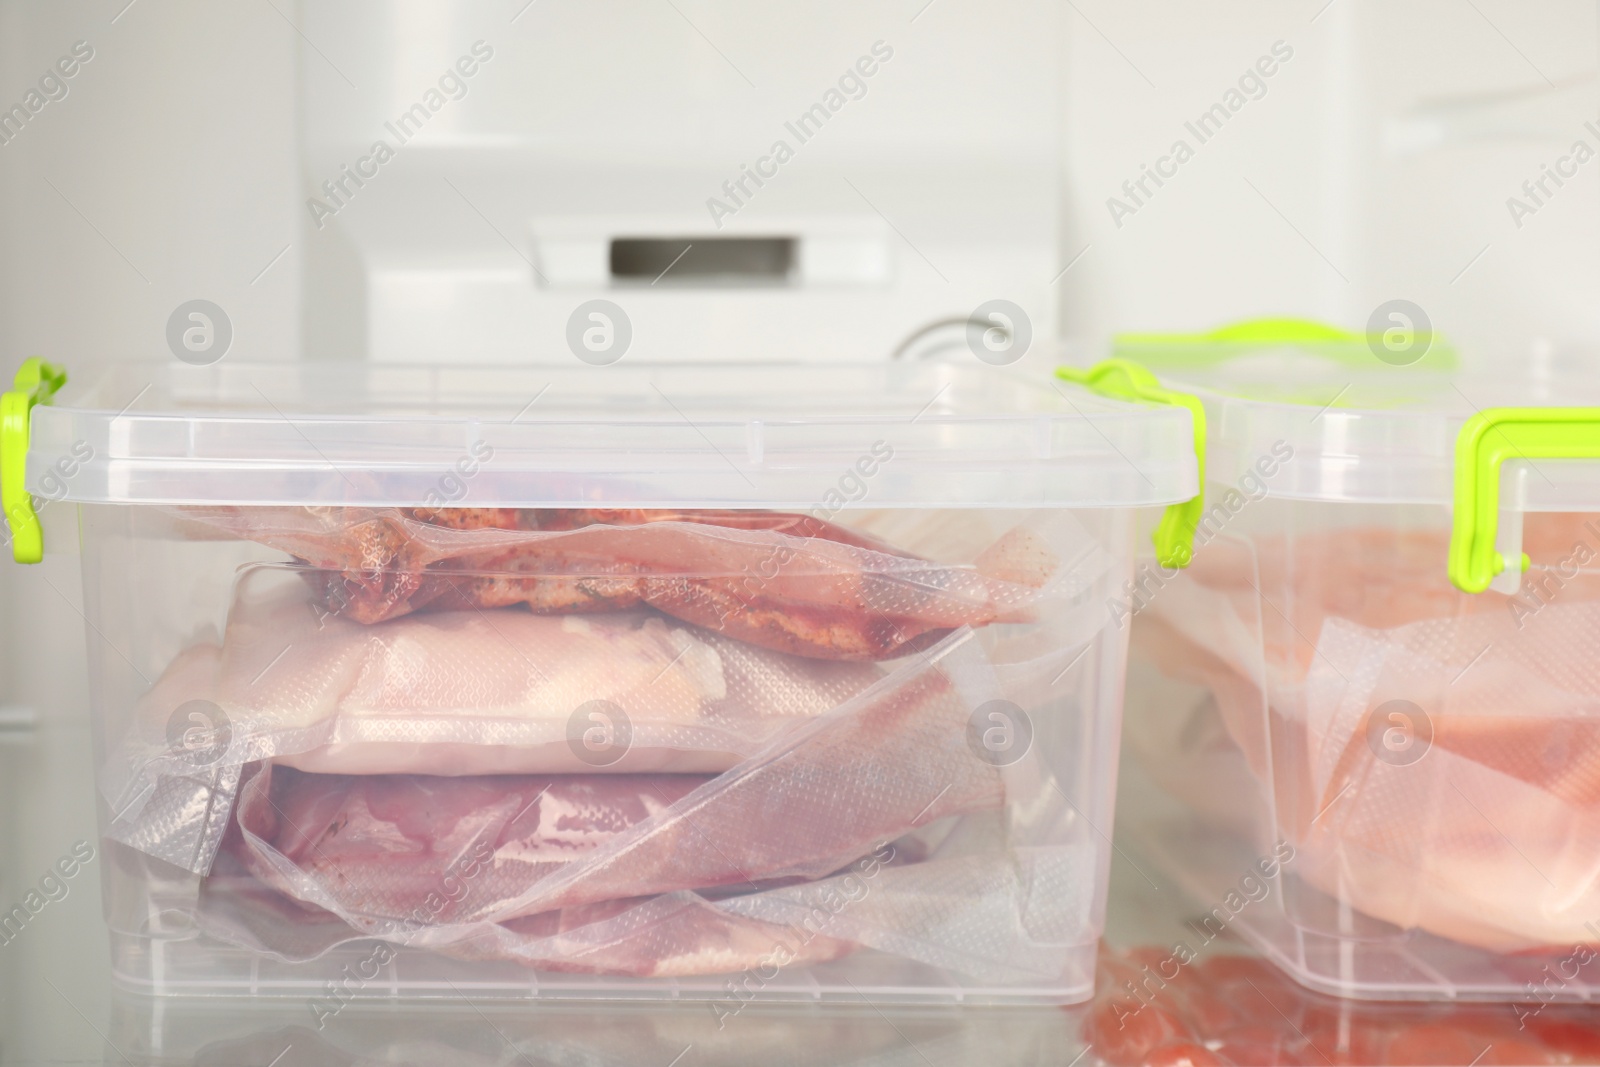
468, 166
1376, 162
165, 173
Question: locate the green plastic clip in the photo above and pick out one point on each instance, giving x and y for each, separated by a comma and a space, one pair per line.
1199, 350
1127, 380
36, 383
1487, 440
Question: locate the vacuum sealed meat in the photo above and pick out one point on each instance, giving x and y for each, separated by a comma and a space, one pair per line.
672, 935
391, 845
492, 692
805, 852
990, 916
788, 582
1433, 754
661, 671
361, 846
469, 692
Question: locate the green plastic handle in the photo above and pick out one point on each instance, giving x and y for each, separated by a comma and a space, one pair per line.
36, 383
1127, 380
1487, 440
1191, 350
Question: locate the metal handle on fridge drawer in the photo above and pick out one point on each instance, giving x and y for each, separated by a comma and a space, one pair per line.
36, 383
1124, 379
1487, 440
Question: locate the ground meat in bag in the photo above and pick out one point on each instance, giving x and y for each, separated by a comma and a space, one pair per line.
788, 582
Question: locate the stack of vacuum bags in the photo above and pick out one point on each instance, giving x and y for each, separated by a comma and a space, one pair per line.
624, 742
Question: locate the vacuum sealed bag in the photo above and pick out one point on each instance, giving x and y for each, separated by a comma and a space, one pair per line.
615, 790
640, 681
1433, 755
1369, 640
827, 794
789, 582
670, 874
488, 692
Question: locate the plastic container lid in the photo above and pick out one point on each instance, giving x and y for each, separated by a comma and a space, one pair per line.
1385, 436
1291, 409
768, 435
1361, 430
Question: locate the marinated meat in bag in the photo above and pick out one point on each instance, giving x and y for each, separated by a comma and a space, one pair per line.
792, 583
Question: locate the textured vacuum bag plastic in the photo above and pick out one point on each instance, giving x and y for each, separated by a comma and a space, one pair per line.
621, 792
1479, 820
467, 692
877, 767
792, 583
494, 691
486, 692
1492, 836
633, 873
674, 935
728, 667
989, 917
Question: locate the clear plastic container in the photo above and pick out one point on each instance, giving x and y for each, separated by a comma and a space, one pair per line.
1390, 786
721, 683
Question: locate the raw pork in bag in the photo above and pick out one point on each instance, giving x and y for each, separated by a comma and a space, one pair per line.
829, 793
1488, 831
792, 583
